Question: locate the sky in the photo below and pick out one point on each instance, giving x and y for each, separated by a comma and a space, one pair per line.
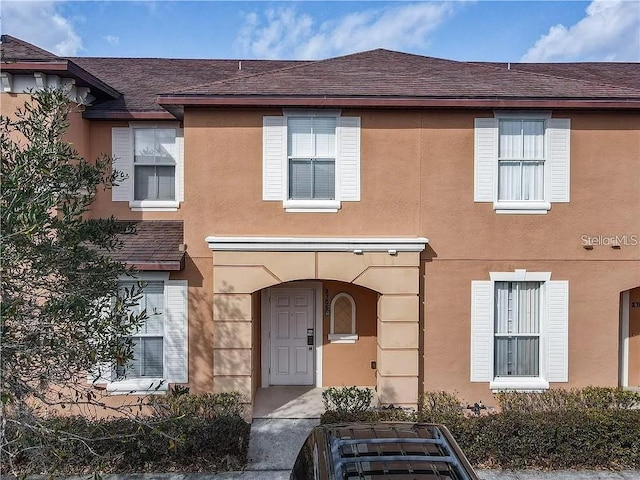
481, 30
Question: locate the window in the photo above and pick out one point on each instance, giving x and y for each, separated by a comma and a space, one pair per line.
151, 156
519, 330
311, 153
160, 349
148, 342
521, 161
154, 164
343, 319
311, 160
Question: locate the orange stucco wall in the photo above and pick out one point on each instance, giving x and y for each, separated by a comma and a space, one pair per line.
417, 180
350, 364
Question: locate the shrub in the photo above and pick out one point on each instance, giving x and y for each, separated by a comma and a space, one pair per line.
347, 400
575, 399
188, 433
591, 428
210, 406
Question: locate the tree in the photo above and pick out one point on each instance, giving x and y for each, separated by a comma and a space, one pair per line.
61, 310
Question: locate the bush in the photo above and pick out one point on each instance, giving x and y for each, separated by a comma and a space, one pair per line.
591, 428
555, 399
347, 400
208, 405
188, 433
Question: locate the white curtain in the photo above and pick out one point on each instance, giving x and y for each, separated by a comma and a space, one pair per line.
517, 314
521, 160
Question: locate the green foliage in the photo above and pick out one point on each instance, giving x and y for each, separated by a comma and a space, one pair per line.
558, 399
570, 439
590, 428
60, 311
57, 275
209, 406
125, 445
347, 400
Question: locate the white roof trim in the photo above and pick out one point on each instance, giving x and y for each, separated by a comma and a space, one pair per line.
391, 245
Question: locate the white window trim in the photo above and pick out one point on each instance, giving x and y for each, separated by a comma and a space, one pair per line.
343, 337
147, 385
156, 205
275, 174
522, 383
311, 206
534, 207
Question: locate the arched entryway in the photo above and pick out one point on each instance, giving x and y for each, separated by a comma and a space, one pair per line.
244, 268
321, 333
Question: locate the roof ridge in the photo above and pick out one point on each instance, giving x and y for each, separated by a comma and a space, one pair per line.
243, 77
302, 63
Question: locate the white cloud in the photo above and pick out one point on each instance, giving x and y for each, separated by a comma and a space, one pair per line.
112, 40
609, 32
286, 33
41, 24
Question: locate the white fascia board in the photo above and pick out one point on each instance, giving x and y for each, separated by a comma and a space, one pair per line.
317, 244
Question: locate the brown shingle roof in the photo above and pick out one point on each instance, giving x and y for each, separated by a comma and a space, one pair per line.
375, 78
154, 246
613, 73
393, 74
141, 79
13, 49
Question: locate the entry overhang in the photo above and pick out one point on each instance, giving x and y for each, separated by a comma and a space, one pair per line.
317, 244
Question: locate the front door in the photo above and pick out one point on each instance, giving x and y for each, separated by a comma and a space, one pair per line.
292, 345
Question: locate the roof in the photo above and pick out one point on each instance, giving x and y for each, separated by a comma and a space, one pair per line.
21, 57
141, 79
625, 74
154, 245
387, 78
160, 88
14, 50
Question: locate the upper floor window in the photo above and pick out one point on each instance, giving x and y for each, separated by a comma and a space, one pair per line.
311, 151
521, 156
311, 160
152, 158
154, 164
522, 161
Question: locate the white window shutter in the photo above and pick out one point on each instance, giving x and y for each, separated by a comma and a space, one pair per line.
485, 159
100, 374
175, 332
180, 164
274, 155
558, 131
481, 330
349, 158
558, 331
122, 153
